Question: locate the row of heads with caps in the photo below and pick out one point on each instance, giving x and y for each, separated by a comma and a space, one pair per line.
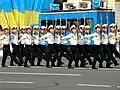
58, 27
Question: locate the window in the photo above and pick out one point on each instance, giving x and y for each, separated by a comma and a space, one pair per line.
83, 5
47, 23
70, 6
69, 22
102, 4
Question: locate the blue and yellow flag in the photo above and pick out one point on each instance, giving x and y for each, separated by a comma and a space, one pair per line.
19, 12
3, 19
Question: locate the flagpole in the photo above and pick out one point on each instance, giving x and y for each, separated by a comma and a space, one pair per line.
84, 18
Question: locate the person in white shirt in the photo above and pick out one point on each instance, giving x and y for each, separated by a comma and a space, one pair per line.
49, 40
104, 44
57, 38
72, 38
6, 47
29, 51
22, 42
15, 45
93, 46
97, 45
112, 38
42, 42
81, 47
36, 45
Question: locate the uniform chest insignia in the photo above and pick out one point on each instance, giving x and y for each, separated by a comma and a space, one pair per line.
51, 38
74, 38
113, 37
97, 37
28, 38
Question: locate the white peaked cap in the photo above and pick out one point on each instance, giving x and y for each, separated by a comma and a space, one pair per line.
43, 27
81, 26
113, 25
38, 27
23, 27
73, 26
15, 26
58, 27
88, 27
97, 25
105, 25
28, 27
51, 26
64, 27
6, 27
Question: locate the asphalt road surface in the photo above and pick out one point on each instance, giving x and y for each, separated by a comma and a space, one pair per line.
41, 78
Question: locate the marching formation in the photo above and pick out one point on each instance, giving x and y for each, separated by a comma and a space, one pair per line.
26, 44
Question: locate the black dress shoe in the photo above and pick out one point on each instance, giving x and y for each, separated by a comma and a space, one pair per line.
48, 67
90, 63
110, 63
26, 66
32, 65
94, 68
20, 64
12, 65
53, 65
101, 66
70, 67
59, 65
117, 64
4, 66
83, 66
40, 65
85, 63
77, 66
109, 67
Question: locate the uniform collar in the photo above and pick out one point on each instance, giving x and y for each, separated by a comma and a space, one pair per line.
36, 33
87, 33
97, 32
104, 32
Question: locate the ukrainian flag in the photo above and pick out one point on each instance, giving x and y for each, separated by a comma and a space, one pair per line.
3, 20
19, 12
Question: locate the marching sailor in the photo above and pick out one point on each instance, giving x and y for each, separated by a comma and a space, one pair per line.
57, 38
22, 31
42, 42
72, 39
65, 46
6, 46
112, 42
93, 40
97, 44
15, 45
36, 45
104, 44
81, 48
29, 51
49, 40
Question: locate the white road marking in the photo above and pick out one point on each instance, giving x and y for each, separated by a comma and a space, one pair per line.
108, 69
118, 86
15, 82
50, 68
93, 85
100, 69
41, 74
100, 86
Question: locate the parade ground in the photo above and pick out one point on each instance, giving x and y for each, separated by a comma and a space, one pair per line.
62, 78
